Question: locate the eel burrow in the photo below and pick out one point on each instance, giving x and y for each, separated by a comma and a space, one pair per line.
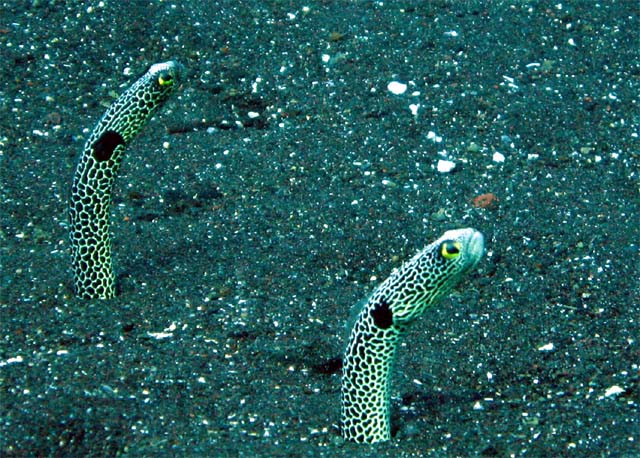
386, 314
97, 169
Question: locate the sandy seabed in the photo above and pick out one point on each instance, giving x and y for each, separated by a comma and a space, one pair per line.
282, 183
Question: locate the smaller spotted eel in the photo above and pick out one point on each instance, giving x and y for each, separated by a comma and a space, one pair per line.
97, 169
417, 285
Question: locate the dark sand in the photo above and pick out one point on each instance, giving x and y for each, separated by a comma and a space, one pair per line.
247, 240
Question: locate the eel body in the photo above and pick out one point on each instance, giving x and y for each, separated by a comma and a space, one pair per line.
417, 285
90, 200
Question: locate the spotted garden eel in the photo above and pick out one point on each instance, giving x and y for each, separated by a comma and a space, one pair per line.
90, 200
386, 314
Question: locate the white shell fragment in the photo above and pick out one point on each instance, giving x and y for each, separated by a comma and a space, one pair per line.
613, 390
160, 335
445, 166
12, 360
431, 135
397, 88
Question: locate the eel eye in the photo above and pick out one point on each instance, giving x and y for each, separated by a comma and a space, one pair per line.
450, 249
165, 79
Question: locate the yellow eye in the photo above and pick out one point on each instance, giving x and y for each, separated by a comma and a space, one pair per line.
450, 249
165, 79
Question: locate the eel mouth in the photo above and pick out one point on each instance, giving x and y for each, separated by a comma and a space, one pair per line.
471, 239
473, 242
476, 245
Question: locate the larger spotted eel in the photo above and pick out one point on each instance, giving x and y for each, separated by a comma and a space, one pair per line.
90, 200
387, 313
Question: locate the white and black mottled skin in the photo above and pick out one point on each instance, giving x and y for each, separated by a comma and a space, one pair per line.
90, 200
417, 285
